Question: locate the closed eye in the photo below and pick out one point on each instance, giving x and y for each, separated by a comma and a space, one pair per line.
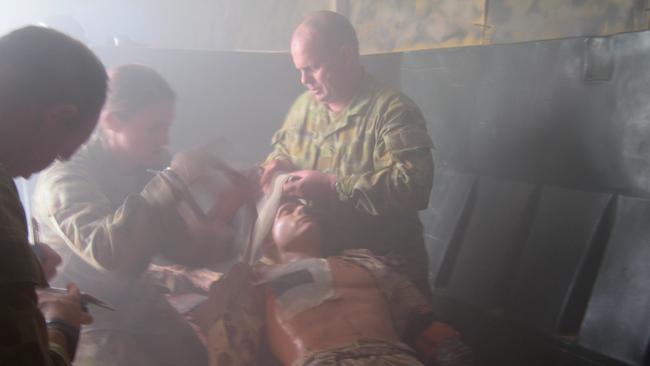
287, 208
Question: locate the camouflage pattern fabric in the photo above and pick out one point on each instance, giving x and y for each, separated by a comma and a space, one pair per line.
435, 341
378, 147
23, 335
232, 319
380, 150
368, 352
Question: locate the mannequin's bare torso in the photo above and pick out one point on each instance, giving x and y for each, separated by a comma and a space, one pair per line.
357, 311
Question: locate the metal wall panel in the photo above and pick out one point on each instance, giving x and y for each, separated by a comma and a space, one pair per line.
617, 322
475, 275
563, 230
542, 111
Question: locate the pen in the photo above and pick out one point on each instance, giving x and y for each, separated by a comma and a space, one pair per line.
85, 298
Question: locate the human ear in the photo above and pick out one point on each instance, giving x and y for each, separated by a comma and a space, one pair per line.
111, 121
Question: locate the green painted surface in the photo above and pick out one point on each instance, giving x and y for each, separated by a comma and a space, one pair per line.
397, 25
383, 25
525, 20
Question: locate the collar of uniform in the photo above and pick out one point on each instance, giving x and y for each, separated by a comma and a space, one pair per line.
361, 100
358, 106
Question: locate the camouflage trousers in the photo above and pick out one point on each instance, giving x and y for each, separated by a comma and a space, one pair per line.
367, 352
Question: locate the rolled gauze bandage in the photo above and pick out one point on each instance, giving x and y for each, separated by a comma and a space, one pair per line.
267, 206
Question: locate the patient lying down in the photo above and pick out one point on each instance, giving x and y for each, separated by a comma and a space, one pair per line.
349, 309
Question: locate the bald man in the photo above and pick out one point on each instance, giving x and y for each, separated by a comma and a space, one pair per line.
355, 146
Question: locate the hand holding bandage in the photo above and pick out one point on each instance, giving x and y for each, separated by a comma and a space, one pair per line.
270, 170
310, 185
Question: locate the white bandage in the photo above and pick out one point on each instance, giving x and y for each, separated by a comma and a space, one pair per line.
300, 285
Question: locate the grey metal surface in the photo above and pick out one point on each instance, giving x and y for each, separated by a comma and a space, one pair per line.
541, 111
617, 321
445, 218
571, 113
491, 234
562, 232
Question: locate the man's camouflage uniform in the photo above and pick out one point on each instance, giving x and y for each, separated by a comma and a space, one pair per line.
23, 335
380, 150
107, 226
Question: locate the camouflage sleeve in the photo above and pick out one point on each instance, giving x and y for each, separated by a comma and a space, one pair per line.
24, 340
282, 147
403, 162
122, 238
280, 151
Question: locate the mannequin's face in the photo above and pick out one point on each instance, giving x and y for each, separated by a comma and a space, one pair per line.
294, 229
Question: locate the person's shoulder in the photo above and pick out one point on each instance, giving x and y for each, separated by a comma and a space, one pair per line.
389, 95
80, 165
82, 160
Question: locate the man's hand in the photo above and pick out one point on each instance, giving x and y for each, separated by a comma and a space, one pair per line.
49, 259
311, 185
64, 307
275, 166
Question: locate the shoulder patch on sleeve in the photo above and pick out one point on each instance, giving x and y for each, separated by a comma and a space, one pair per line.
407, 139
